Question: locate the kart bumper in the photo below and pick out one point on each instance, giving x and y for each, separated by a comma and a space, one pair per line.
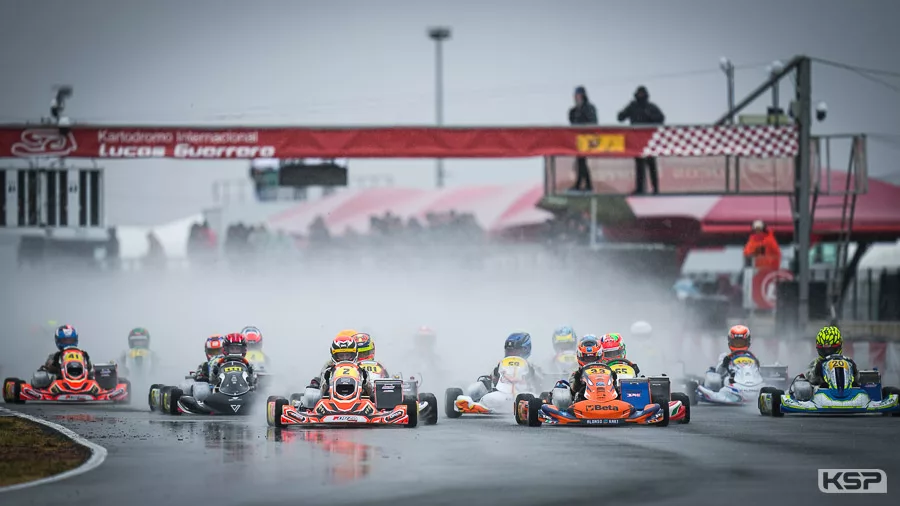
650, 415
291, 416
823, 404
490, 404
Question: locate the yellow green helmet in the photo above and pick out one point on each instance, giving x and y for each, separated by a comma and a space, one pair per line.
829, 341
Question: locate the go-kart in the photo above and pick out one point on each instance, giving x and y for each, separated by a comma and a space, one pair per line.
839, 396
75, 383
344, 403
426, 402
480, 399
636, 401
679, 403
230, 394
748, 378
139, 363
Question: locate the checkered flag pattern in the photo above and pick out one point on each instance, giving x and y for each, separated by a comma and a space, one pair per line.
749, 141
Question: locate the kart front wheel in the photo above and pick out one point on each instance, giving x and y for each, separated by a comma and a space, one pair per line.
776, 403
274, 407
520, 399
534, 408
430, 416
12, 390
692, 392
412, 412
887, 391
686, 402
450, 397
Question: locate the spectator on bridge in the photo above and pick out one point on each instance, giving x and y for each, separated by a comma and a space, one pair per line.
641, 111
584, 113
762, 250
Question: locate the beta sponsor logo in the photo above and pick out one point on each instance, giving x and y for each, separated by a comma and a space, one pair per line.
601, 407
343, 418
852, 481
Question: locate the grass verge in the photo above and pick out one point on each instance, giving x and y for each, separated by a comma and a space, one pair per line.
30, 451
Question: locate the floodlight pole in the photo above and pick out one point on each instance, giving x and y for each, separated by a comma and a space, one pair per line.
439, 35
802, 182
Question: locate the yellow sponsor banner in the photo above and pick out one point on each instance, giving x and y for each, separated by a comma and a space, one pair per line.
600, 143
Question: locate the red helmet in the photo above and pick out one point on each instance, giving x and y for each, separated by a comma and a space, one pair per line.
234, 344
589, 351
214, 345
739, 338
253, 337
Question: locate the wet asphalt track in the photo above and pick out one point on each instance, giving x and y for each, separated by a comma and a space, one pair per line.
726, 456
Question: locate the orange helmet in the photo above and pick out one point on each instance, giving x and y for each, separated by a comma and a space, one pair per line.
589, 351
347, 333
739, 338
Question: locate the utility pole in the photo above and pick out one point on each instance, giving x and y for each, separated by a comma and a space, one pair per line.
439, 34
728, 67
802, 212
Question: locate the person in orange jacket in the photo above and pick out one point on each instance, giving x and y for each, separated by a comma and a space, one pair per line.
762, 250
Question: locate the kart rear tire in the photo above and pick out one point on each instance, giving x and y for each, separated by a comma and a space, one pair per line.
534, 407
450, 396
127, 399
150, 395
764, 390
519, 398
271, 411
886, 391
412, 412
776, 403
174, 394
692, 392
686, 402
431, 413
16, 391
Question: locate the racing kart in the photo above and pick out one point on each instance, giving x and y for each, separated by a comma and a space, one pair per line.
744, 385
839, 396
230, 394
426, 402
635, 401
75, 383
480, 399
343, 403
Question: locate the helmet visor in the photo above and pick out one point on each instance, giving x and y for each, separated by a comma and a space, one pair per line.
587, 358
67, 342
833, 349
345, 356
139, 342
739, 343
613, 353
235, 349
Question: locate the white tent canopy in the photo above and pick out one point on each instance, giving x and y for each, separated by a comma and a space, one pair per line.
173, 236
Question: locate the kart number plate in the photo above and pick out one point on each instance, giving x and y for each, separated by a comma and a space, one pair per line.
838, 364
233, 369
346, 372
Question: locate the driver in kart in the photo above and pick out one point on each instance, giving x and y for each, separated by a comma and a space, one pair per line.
828, 342
343, 349
138, 339
424, 342
518, 344
565, 343
590, 351
738, 344
234, 349
614, 348
254, 346
213, 353
365, 346
66, 337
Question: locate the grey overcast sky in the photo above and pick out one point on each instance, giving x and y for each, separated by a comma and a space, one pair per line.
360, 62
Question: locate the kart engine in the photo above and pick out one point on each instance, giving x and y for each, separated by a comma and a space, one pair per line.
801, 389
41, 379
562, 397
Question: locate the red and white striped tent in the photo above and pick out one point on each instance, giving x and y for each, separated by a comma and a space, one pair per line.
496, 208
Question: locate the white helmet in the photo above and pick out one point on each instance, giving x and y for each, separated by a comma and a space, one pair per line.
641, 329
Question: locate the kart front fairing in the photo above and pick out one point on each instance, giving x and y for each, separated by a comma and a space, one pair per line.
745, 386
851, 400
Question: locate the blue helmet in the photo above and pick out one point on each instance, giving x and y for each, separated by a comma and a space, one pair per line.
66, 337
564, 339
518, 344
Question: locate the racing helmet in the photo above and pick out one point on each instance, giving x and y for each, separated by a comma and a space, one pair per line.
139, 337
739, 338
641, 330
66, 337
589, 351
234, 344
213, 346
829, 341
564, 339
344, 349
518, 344
613, 346
253, 337
424, 339
365, 346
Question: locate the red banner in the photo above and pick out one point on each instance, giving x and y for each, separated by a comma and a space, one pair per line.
396, 142
386, 142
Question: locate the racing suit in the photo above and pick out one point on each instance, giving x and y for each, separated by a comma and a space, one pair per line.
123, 360
577, 385
204, 370
724, 369
535, 377
54, 363
324, 377
815, 377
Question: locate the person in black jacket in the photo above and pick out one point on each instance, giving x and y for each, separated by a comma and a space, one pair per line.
584, 113
641, 111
